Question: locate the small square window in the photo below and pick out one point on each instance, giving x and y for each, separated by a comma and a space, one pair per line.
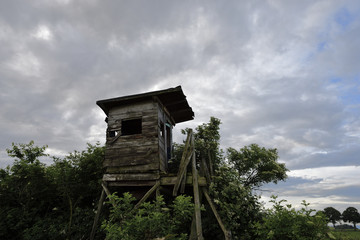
131, 127
113, 133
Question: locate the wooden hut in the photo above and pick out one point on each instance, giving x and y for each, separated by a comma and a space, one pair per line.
139, 145
139, 135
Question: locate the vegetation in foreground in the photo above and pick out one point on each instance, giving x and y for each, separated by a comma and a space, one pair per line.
59, 201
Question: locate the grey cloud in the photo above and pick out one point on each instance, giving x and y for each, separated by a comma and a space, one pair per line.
268, 70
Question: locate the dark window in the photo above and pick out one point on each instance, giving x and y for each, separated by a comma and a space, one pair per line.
162, 130
168, 140
131, 127
113, 133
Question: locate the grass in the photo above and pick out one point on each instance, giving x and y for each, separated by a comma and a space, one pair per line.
346, 234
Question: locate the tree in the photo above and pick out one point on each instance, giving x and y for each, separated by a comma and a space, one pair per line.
232, 186
332, 214
25, 190
77, 178
207, 143
49, 202
351, 214
256, 165
57, 201
238, 206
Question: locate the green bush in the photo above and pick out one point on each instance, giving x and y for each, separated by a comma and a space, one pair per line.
284, 222
150, 220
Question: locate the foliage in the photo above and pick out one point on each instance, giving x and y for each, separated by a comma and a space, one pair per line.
58, 201
207, 142
332, 214
238, 207
256, 165
207, 145
284, 222
49, 202
233, 180
150, 220
352, 215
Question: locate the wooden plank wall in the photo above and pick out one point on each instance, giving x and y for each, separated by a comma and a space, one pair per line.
162, 145
137, 154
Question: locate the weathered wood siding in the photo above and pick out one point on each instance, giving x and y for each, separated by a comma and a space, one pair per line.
161, 137
163, 118
138, 153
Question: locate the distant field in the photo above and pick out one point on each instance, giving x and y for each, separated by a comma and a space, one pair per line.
346, 234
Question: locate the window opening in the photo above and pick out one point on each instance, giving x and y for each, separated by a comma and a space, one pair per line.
113, 133
168, 140
162, 130
131, 126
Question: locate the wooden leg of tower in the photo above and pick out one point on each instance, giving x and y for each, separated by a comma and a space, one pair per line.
227, 233
196, 200
143, 199
97, 216
108, 193
193, 229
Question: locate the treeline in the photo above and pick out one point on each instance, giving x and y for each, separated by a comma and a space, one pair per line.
59, 201
350, 215
49, 202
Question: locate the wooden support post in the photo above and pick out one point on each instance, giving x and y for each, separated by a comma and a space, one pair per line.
97, 216
193, 229
227, 233
196, 197
205, 170
183, 183
185, 159
143, 199
108, 193
158, 193
211, 169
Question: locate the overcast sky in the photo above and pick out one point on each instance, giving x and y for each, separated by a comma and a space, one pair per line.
282, 74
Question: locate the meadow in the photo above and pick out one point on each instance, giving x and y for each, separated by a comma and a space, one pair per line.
348, 234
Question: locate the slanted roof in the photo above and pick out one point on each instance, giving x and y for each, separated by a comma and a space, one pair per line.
173, 100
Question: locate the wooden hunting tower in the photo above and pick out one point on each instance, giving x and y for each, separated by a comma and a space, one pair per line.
139, 135
139, 145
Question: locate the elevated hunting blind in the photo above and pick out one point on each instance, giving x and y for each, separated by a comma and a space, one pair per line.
139, 135
139, 145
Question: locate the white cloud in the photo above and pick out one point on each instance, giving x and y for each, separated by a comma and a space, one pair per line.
43, 32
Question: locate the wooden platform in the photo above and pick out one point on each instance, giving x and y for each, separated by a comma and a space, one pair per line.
116, 180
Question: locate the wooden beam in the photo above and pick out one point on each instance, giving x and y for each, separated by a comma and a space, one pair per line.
168, 181
143, 199
183, 183
116, 177
211, 169
97, 216
227, 234
196, 197
205, 170
193, 229
108, 193
185, 159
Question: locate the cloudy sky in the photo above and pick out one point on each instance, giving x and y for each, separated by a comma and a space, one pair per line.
283, 74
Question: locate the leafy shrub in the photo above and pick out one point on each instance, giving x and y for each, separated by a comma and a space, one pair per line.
150, 220
284, 222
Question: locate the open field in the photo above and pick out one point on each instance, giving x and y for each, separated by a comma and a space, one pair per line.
346, 234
